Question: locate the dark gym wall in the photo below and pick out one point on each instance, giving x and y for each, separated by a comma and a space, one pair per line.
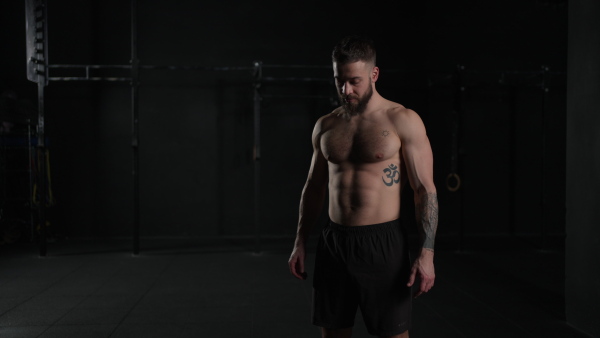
583, 165
196, 126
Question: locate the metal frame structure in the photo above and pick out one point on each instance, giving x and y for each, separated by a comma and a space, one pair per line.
39, 72
460, 88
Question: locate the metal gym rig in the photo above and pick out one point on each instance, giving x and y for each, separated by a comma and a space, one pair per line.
38, 71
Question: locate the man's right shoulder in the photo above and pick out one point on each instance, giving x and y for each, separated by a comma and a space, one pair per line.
325, 120
325, 123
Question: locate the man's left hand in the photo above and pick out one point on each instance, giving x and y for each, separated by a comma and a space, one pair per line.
423, 270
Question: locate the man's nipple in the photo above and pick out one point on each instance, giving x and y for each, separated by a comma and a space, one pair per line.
378, 155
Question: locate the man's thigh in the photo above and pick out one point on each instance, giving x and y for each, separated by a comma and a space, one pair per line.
335, 296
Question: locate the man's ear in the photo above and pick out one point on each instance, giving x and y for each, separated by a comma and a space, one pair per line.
374, 74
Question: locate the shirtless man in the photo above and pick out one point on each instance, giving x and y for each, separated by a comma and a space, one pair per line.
363, 153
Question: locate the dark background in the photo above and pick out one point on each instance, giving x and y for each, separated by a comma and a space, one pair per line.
196, 126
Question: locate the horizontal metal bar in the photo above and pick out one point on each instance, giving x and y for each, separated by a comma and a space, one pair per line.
393, 70
192, 67
484, 85
297, 66
296, 79
227, 68
512, 72
296, 96
108, 79
160, 67
90, 66
475, 71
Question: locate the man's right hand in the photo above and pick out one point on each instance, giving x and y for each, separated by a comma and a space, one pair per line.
296, 262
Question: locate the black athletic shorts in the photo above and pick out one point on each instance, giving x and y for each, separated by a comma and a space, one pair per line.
366, 266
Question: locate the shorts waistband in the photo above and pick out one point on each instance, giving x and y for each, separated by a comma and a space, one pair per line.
364, 229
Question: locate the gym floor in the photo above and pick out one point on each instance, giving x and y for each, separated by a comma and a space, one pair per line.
220, 288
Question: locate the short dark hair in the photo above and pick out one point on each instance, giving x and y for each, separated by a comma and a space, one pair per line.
354, 48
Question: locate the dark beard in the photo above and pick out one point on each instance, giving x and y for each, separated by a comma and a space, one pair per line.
358, 108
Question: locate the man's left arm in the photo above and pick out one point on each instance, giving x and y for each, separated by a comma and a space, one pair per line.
418, 159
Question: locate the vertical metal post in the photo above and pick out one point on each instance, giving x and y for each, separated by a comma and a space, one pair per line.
41, 51
135, 129
256, 154
512, 153
41, 158
31, 152
545, 70
459, 90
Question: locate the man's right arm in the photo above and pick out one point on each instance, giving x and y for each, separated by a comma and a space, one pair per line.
311, 203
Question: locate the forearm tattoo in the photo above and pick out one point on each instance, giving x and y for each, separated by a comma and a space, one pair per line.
426, 208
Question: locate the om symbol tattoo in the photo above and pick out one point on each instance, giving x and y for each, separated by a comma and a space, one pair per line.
391, 174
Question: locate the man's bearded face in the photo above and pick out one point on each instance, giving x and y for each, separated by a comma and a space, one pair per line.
354, 104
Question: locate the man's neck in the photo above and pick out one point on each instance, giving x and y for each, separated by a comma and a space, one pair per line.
374, 103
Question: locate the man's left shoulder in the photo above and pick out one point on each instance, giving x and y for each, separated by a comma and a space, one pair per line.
402, 115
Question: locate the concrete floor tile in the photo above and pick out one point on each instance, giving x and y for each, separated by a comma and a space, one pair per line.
48, 301
192, 292
78, 331
110, 301
22, 331
94, 316
7, 303
147, 331
20, 316
188, 315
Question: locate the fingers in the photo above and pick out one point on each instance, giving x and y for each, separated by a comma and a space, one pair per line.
300, 270
296, 265
413, 276
293, 264
424, 287
426, 282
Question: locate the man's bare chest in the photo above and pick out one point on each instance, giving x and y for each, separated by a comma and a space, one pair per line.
367, 143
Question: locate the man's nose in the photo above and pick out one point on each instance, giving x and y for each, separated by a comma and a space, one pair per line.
346, 89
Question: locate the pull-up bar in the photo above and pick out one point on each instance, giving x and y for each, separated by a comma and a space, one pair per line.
88, 68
